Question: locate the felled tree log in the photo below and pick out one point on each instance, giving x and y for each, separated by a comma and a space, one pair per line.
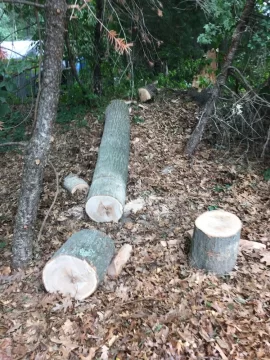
72, 183
215, 241
147, 92
79, 266
107, 193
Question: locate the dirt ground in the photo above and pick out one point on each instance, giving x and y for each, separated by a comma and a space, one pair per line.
159, 307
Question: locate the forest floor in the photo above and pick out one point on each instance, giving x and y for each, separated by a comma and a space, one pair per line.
159, 307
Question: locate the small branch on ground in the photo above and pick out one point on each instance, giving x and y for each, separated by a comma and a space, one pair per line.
52, 205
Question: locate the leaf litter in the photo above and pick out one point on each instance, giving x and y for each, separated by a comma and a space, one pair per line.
159, 307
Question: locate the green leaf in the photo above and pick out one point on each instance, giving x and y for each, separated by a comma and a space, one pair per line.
266, 175
2, 244
212, 207
4, 109
138, 120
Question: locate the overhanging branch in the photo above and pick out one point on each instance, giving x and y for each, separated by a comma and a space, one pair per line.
22, 2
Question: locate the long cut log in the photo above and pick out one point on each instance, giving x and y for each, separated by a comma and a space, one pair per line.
79, 266
197, 134
107, 193
215, 242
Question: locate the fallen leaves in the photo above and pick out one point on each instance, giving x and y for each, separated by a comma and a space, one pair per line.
158, 308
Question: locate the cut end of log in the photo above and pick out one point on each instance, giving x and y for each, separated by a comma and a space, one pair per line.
218, 223
104, 209
70, 276
81, 188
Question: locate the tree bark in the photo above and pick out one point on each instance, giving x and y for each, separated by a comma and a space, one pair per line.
215, 242
98, 49
107, 193
38, 147
79, 266
197, 134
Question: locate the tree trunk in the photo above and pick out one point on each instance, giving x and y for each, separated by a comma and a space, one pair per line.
38, 148
98, 49
215, 242
72, 62
79, 266
210, 105
107, 193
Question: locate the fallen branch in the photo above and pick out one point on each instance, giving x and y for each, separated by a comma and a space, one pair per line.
17, 143
52, 205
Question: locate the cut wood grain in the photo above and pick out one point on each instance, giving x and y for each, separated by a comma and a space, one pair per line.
79, 266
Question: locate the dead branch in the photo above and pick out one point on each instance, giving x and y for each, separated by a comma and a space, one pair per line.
197, 134
52, 205
23, 2
16, 143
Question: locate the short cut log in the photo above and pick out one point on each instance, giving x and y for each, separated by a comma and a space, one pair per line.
147, 92
214, 246
80, 265
107, 194
72, 183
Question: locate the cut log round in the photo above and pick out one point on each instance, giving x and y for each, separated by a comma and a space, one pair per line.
72, 183
215, 241
147, 92
78, 267
107, 194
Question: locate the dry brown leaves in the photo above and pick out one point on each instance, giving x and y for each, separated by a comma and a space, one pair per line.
159, 308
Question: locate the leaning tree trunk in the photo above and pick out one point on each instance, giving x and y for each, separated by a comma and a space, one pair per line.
210, 105
98, 49
38, 148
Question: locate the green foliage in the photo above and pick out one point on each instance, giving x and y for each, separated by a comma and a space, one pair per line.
182, 76
138, 119
16, 23
3, 244
223, 17
212, 207
266, 175
9, 69
68, 113
222, 188
14, 128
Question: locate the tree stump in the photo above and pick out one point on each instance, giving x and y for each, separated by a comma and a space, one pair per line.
215, 241
107, 193
79, 266
147, 92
